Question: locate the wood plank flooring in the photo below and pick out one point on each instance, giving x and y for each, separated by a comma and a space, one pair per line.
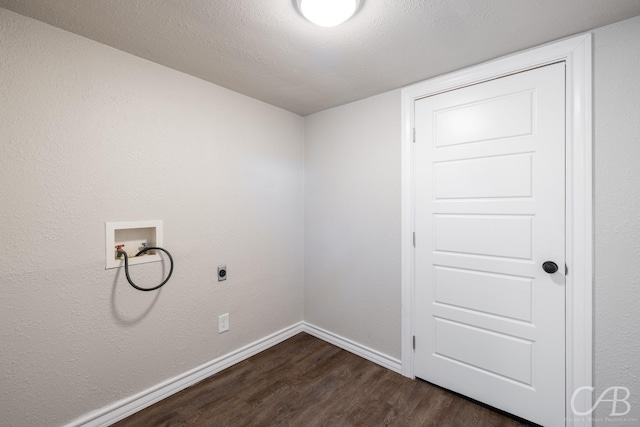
305, 381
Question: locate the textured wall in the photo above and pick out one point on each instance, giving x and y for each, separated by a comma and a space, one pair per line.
352, 270
617, 219
90, 134
352, 221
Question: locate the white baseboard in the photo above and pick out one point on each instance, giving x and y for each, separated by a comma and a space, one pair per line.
353, 347
129, 406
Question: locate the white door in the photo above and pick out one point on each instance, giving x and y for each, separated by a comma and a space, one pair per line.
489, 211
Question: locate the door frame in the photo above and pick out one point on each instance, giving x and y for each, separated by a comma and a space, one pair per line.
576, 53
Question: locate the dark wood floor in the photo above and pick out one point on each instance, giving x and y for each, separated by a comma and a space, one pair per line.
307, 382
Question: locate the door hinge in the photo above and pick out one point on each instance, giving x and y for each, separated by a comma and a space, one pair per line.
414, 134
414, 239
566, 270
414, 342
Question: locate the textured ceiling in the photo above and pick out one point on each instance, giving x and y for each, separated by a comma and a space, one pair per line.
265, 49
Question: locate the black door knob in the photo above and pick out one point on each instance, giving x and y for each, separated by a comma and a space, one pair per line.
550, 267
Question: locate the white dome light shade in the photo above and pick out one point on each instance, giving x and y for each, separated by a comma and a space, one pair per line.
328, 13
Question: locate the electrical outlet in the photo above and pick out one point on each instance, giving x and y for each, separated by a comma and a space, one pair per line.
223, 323
222, 273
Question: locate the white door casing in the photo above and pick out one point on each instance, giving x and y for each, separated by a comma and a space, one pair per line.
489, 210
576, 53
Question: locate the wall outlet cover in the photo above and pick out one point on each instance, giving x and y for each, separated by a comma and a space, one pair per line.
222, 273
223, 323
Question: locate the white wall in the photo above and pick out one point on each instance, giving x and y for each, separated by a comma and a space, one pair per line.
352, 272
352, 221
617, 207
89, 134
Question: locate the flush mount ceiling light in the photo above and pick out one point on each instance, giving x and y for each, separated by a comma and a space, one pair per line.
328, 13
